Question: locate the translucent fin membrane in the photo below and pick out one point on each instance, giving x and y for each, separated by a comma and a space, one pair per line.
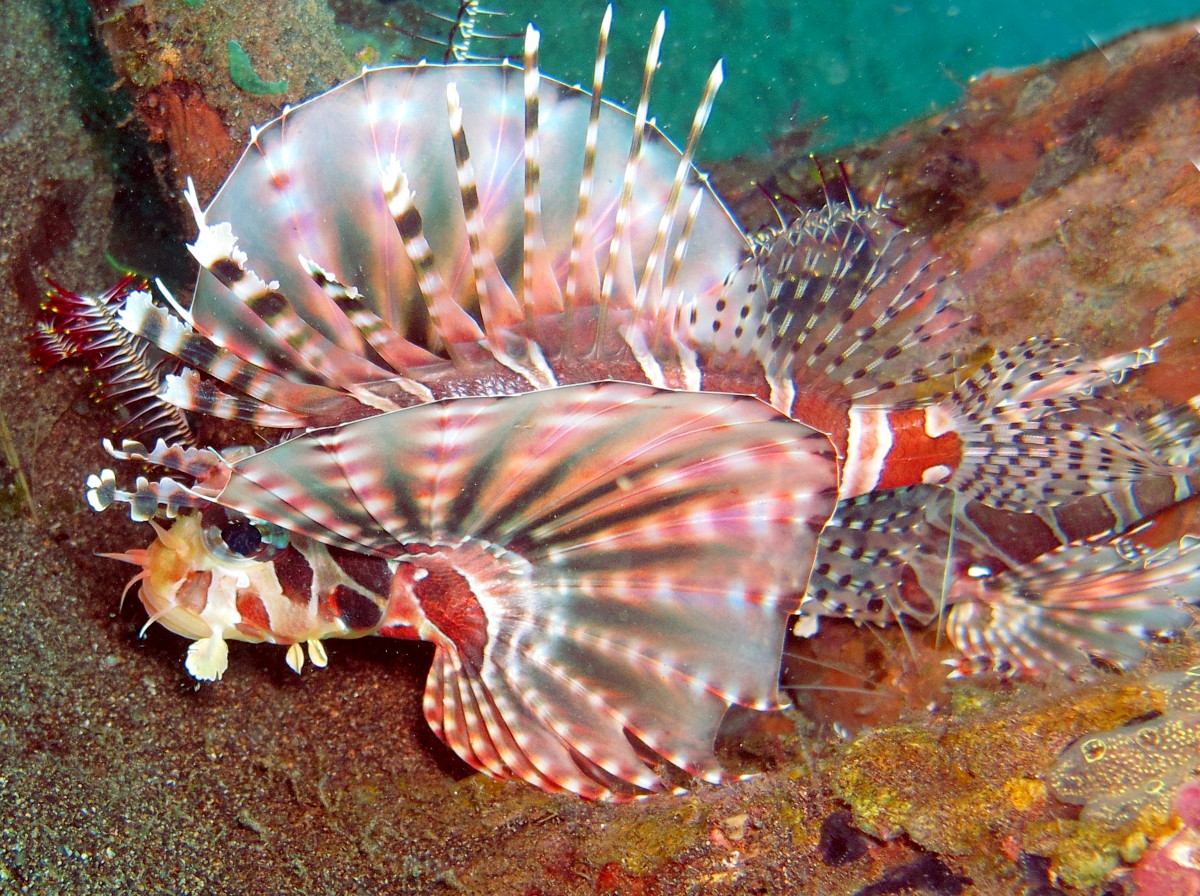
476, 222
625, 560
1083, 600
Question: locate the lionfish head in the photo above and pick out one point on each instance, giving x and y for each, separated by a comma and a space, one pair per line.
213, 577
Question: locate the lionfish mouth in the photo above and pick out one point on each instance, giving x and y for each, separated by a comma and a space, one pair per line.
532, 395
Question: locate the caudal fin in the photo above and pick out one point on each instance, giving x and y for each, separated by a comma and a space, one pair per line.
1035, 429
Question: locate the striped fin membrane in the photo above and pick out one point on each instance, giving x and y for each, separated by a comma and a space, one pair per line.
1083, 600
922, 556
433, 231
1069, 584
430, 230
1030, 410
627, 560
827, 302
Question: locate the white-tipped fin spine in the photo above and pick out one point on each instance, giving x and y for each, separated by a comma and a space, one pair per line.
619, 263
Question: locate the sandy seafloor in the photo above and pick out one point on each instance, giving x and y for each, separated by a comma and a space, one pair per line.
119, 774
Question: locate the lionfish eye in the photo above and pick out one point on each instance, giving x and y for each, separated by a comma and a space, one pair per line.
241, 537
235, 537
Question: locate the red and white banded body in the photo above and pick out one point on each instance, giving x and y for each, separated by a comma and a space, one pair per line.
541, 402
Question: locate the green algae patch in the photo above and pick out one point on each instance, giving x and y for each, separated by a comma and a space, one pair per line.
906, 779
241, 72
878, 777
640, 841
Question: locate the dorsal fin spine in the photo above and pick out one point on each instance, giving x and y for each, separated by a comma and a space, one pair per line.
396, 351
540, 294
452, 324
588, 175
497, 304
658, 251
669, 319
621, 225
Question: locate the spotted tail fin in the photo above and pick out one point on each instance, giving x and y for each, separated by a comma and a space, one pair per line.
1034, 429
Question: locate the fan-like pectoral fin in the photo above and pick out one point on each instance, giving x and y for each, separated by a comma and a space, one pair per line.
604, 568
604, 583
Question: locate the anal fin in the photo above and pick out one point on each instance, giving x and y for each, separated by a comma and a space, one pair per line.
1083, 600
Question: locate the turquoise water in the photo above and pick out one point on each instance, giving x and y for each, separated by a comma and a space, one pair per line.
860, 67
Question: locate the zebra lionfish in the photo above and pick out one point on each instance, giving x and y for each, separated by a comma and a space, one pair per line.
540, 401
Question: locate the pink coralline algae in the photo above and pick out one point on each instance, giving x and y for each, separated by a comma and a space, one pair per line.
1174, 866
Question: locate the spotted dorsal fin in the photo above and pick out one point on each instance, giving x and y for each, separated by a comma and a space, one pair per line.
826, 305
